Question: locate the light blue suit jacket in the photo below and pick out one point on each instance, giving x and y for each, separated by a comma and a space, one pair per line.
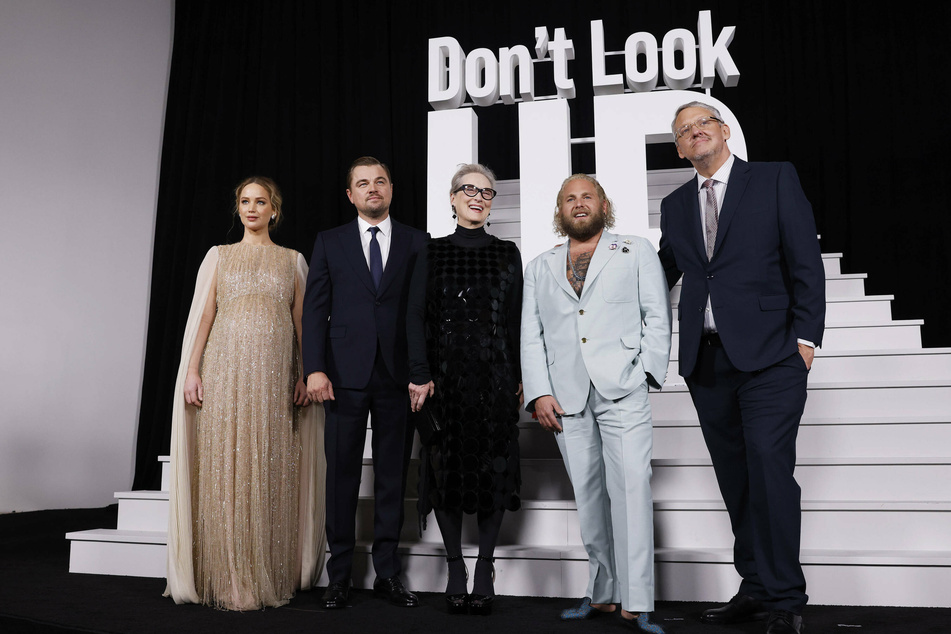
615, 336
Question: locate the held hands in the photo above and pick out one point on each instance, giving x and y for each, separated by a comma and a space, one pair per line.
521, 396
549, 413
418, 395
194, 392
807, 354
319, 387
300, 394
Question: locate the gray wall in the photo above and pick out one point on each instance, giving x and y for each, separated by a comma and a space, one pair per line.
82, 103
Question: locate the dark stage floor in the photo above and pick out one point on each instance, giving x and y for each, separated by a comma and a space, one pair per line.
37, 594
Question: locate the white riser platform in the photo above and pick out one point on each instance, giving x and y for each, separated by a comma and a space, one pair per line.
874, 460
685, 575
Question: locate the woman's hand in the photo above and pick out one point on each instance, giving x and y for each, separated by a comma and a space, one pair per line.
300, 393
521, 396
418, 395
194, 392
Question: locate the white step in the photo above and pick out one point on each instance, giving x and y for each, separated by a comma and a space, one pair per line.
909, 578
885, 335
142, 510
866, 437
849, 310
831, 262
821, 479
833, 525
166, 471
834, 400
840, 285
912, 364
113, 552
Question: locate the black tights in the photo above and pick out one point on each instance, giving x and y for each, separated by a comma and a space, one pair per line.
450, 525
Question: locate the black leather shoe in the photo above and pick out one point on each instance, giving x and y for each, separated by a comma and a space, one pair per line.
336, 595
393, 591
741, 608
782, 622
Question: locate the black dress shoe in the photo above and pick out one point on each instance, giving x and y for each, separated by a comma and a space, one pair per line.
782, 622
393, 591
741, 608
336, 595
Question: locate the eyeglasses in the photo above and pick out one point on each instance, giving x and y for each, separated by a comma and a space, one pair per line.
702, 124
471, 190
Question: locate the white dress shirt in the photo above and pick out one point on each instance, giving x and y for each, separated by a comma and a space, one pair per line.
383, 237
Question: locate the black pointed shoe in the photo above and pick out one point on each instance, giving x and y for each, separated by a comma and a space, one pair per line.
393, 591
740, 609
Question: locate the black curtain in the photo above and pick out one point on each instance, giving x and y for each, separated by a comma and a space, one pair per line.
296, 90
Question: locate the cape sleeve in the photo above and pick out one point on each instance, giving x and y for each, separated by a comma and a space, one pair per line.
180, 573
311, 536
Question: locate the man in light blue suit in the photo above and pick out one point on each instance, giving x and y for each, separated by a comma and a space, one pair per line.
595, 334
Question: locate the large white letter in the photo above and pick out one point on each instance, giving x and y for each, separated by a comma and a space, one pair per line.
645, 44
562, 50
603, 83
482, 77
679, 40
715, 55
453, 139
446, 67
509, 59
623, 125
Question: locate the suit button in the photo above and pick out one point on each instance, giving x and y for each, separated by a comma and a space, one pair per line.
581, 312
377, 303
584, 340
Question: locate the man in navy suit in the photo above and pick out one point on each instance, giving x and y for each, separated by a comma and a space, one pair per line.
751, 312
355, 361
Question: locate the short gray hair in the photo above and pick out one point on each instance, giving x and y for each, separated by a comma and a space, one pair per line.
693, 104
470, 168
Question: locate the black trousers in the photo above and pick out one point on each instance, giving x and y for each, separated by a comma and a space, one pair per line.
750, 422
387, 404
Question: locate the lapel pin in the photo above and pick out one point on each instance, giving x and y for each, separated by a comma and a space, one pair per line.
613, 246
627, 242
625, 250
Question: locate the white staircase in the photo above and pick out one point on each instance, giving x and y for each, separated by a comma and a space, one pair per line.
874, 466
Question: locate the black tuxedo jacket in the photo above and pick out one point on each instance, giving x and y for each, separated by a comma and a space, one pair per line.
344, 317
765, 281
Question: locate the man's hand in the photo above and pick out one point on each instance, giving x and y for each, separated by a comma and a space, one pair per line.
807, 354
418, 395
319, 387
548, 412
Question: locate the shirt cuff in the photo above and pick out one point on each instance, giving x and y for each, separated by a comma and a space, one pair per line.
806, 343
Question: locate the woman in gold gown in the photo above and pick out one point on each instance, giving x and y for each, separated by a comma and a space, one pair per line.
245, 521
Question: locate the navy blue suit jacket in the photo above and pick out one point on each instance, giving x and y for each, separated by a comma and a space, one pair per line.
344, 317
765, 281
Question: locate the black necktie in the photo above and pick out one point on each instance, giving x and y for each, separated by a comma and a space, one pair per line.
376, 258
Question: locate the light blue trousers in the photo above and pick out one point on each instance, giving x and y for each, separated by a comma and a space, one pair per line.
607, 452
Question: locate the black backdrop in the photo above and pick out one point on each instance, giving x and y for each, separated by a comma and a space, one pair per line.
297, 89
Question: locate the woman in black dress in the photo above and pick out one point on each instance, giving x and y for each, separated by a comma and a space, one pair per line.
463, 329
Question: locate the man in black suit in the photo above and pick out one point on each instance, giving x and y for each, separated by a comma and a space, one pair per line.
752, 309
355, 361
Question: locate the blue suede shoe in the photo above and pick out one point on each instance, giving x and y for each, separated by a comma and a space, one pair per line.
583, 611
643, 624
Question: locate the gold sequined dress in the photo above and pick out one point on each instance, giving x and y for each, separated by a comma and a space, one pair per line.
246, 485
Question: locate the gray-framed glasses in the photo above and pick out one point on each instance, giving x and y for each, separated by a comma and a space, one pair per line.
702, 124
471, 190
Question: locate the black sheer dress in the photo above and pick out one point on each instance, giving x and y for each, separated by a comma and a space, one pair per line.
463, 329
